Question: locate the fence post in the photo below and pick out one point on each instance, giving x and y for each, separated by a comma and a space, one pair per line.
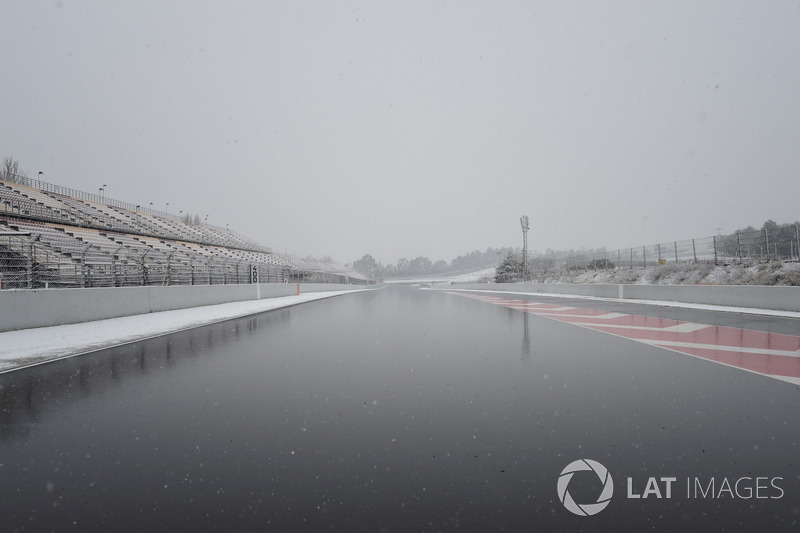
114, 266
797, 236
169, 269
29, 262
144, 268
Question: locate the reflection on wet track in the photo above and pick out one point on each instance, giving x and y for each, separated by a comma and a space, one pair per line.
410, 410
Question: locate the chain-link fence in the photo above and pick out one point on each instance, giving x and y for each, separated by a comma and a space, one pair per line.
27, 261
777, 244
780, 243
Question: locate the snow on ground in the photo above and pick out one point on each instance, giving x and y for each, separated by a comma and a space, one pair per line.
37, 345
772, 273
487, 274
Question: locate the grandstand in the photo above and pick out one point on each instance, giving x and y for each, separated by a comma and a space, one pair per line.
51, 236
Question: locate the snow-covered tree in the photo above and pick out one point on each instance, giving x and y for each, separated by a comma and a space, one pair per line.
509, 269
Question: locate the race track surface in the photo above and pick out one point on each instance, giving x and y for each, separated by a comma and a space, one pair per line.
416, 410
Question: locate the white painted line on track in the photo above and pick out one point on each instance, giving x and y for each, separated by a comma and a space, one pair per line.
793, 381
607, 316
687, 327
721, 347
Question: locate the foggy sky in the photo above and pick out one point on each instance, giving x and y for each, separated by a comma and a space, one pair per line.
415, 128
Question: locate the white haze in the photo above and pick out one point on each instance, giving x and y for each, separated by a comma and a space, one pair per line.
415, 128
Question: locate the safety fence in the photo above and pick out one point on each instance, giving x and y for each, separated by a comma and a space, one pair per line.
28, 263
776, 244
25, 263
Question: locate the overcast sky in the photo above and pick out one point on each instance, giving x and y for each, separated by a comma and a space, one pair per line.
416, 127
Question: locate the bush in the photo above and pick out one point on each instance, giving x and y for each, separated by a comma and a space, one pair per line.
600, 264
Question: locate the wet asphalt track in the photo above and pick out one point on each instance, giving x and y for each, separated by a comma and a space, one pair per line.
398, 410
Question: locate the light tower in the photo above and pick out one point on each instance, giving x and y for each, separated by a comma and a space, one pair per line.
525, 226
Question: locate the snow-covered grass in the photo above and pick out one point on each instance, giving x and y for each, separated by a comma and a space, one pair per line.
485, 275
479, 276
33, 346
773, 273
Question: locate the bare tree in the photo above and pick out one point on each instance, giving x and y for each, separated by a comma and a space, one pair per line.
191, 219
10, 171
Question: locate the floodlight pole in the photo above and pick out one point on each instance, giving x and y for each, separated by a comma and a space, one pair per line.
524, 222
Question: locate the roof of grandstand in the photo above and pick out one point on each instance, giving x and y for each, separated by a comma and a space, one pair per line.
51, 235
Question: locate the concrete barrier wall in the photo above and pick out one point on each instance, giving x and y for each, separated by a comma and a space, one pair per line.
756, 296
26, 308
760, 297
603, 291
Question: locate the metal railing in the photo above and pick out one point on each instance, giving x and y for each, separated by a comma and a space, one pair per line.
28, 263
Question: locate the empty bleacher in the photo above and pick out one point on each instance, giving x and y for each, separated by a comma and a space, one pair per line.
56, 237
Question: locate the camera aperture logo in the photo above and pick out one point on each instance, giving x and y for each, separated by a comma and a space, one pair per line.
585, 509
661, 487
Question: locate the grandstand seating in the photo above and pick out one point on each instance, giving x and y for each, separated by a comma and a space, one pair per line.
51, 238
